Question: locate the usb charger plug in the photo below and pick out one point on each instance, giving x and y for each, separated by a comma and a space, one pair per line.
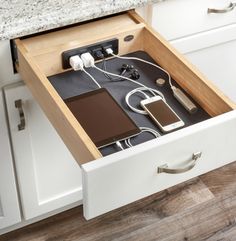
87, 59
76, 63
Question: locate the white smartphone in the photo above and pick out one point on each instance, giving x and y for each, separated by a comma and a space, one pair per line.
162, 113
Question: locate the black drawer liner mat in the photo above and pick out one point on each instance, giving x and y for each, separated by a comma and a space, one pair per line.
73, 83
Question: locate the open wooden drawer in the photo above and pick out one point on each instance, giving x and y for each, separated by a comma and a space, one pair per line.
118, 179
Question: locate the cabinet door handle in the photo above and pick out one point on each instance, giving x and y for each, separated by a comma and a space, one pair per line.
164, 168
223, 10
18, 105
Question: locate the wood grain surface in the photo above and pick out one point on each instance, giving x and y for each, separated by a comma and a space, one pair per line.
203, 208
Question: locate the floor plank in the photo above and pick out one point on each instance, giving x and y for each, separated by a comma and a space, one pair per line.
201, 209
222, 181
226, 234
197, 223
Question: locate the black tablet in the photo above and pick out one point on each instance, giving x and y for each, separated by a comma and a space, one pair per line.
102, 117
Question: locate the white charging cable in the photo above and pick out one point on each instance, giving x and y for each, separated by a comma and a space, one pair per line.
124, 77
180, 96
88, 61
110, 52
119, 145
77, 63
155, 133
140, 90
128, 143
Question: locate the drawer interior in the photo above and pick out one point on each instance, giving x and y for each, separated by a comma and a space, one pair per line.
40, 65
73, 83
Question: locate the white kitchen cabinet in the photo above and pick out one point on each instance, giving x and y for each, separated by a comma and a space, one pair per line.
7, 75
213, 53
48, 176
180, 18
9, 205
115, 180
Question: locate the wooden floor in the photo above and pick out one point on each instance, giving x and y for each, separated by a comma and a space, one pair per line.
201, 209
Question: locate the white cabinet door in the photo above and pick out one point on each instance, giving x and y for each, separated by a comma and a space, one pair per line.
9, 206
213, 53
175, 19
218, 64
48, 176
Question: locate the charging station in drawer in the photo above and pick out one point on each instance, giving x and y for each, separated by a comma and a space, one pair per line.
120, 178
93, 49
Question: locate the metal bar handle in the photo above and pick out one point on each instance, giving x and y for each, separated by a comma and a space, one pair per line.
164, 168
224, 10
18, 105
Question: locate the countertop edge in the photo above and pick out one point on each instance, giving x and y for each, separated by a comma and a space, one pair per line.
36, 24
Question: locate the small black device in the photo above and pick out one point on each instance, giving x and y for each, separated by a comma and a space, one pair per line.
102, 117
134, 75
125, 68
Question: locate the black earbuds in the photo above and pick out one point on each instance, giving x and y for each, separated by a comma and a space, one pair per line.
134, 75
126, 67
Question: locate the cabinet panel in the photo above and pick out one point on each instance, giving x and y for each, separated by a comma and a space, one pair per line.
212, 52
7, 75
218, 64
178, 18
49, 178
9, 206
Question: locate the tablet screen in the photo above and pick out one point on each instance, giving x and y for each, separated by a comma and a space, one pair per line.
102, 117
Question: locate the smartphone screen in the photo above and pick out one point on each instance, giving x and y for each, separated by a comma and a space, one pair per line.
162, 113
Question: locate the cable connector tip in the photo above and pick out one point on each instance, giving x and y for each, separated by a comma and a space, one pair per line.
109, 51
173, 87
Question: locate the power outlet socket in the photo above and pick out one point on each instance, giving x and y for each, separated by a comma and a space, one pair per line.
92, 49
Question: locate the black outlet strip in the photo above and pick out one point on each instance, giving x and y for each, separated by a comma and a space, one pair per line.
92, 49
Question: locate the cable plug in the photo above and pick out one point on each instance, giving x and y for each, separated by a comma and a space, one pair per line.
87, 59
98, 54
76, 63
109, 51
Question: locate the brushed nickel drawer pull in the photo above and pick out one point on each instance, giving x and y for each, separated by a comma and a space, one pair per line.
18, 105
224, 10
164, 168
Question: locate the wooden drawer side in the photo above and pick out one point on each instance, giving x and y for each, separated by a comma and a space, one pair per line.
76, 139
187, 76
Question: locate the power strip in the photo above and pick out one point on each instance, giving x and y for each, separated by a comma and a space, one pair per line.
92, 49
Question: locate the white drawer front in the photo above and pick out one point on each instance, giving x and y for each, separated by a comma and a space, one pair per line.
122, 178
178, 18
